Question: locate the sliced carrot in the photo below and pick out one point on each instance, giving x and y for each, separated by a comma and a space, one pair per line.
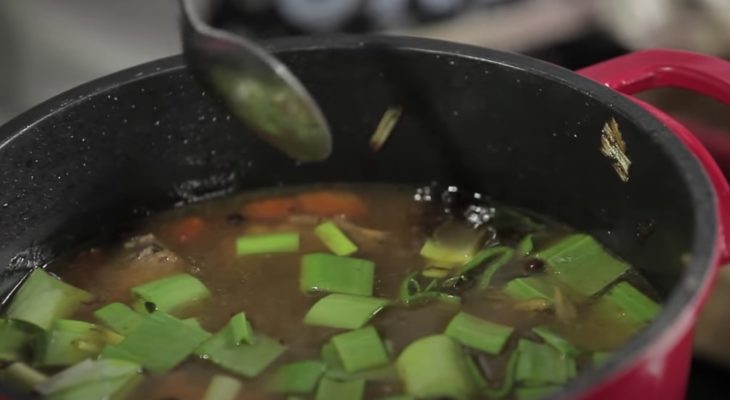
188, 229
332, 203
271, 208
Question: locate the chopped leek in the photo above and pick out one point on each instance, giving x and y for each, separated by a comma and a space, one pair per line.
583, 264
494, 266
14, 337
21, 376
91, 380
411, 292
241, 329
446, 256
475, 332
535, 393
335, 240
171, 295
385, 127
248, 360
475, 373
298, 377
330, 389
531, 287
344, 311
525, 245
335, 370
435, 272
42, 299
193, 322
118, 317
223, 387
636, 305
539, 364
556, 341
283, 242
158, 343
328, 273
360, 349
68, 342
500, 255
433, 367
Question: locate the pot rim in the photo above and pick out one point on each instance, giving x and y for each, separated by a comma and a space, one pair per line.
684, 299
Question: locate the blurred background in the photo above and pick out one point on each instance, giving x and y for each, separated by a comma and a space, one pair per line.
49, 46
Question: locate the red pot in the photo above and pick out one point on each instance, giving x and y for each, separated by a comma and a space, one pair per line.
521, 130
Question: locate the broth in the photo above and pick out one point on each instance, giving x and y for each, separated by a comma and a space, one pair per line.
389, 228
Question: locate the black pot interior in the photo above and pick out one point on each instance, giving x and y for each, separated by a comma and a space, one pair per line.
525, 133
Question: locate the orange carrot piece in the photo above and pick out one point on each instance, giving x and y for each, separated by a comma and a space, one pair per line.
188, 229
271, 208
332, 203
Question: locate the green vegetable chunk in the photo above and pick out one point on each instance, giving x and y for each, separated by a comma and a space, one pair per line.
328, 273
21, 377
92, 380
68, 342
525, 246
535, 393
283, 242
223, 388
14, 338
532, 287
43, 299
241, 329
556, 341
248, 360
159, 343
433, 367
171, 295
475, 332
445, 255
539, 364
335, 240
583, 264
344, 311
119, 317
298, 377
360, 349
636, 305
330, 389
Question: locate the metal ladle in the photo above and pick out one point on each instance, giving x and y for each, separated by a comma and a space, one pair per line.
256, 87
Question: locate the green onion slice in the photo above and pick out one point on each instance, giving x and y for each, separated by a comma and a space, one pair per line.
172, 294
248, 360
582, 264
539, 364
282, 242
298, 377
477, 333
360, 349
433, 367
43, 299
335, 240
344, 311
223, 387
159, 343
119, 317
330, 389
329, 273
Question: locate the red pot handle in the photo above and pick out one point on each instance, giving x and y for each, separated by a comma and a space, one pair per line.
650, 69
